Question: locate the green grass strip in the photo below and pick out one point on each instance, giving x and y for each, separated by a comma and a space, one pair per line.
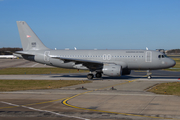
14, 85
171, 88
21, 71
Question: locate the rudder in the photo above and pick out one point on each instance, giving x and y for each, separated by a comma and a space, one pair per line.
29, 39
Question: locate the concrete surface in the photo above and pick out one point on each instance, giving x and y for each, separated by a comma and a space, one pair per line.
127, 101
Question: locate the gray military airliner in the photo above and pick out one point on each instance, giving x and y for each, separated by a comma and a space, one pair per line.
107, 62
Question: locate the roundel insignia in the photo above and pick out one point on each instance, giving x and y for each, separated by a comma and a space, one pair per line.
28, 36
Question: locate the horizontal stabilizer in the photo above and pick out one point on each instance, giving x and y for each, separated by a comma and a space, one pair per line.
23, 53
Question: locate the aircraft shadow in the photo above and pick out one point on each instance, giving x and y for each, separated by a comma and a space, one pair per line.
164, 77
103, 78
114, 78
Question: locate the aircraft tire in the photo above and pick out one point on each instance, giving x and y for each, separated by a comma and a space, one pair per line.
90, 76
149, 77
98, 75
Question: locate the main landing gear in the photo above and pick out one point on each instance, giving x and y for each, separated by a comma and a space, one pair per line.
98, 75
90, 76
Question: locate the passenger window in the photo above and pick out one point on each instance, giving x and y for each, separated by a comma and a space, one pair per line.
159, 56
162, 56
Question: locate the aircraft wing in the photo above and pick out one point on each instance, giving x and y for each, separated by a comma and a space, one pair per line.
92, 65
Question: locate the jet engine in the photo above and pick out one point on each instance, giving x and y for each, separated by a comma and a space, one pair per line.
112, 70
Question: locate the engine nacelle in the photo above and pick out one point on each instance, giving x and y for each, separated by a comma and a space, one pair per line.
112, 70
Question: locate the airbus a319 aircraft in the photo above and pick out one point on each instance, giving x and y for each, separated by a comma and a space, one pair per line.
107, 62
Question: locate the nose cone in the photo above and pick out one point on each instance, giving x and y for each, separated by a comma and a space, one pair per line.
171, 63
167, 63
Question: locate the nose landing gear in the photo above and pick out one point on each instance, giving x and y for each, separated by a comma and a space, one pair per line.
149, 74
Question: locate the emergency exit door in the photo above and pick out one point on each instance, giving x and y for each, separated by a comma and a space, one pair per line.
148, 57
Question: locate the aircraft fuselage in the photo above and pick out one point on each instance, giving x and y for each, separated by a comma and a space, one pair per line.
130, 59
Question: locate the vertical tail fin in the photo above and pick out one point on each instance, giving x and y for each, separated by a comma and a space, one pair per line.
29, 40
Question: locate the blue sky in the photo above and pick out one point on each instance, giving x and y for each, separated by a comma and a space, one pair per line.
89, 24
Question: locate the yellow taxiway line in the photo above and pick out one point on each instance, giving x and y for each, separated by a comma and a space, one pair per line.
65, 102
33, 103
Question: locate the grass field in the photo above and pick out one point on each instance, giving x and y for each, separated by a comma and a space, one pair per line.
177, 62
172, 88
20, 71
14, 85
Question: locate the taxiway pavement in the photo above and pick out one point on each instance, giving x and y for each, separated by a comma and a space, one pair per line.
122, 98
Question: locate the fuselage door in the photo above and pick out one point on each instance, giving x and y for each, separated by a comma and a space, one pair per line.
46, 55
148, 57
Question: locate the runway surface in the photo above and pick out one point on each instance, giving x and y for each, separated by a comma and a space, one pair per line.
119, 98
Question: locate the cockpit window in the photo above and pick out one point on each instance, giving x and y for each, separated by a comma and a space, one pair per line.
162, 56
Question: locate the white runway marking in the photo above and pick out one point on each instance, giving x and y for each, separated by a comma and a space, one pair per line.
43, 110
9, 103
34, 65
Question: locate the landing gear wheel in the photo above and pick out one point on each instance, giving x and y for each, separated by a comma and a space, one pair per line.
148, 74
149, 77
90, 76
98, 75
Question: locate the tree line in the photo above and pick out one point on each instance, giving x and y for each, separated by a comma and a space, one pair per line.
174, 51
9, 51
